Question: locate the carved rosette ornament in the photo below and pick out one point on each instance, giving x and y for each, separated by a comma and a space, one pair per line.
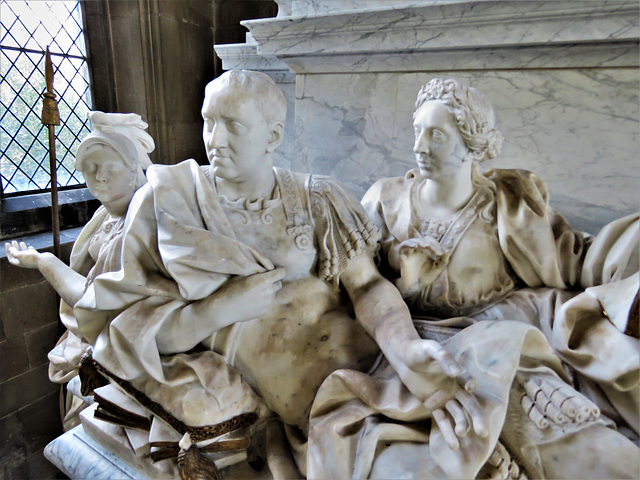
302, 234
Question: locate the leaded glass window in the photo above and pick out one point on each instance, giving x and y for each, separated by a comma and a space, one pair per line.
28, 26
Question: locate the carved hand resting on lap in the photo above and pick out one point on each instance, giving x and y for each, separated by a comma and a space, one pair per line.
433, 375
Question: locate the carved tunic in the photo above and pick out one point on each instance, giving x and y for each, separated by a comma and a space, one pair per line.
505, 235
180, 243
311, 330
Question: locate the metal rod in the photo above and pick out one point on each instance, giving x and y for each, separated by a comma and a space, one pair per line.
55, 209
51, 118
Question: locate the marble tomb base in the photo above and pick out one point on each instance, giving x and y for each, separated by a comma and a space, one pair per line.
103, 451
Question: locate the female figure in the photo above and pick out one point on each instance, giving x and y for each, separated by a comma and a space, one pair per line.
113, 171
112, 158
464, 246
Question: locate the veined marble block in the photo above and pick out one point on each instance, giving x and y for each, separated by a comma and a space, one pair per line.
77, 455
562, 76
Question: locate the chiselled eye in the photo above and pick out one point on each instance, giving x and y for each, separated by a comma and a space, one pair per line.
236, 127
208, 124
438, 136
115, 167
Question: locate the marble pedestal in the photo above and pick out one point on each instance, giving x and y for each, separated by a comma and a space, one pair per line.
77, 455
99, 450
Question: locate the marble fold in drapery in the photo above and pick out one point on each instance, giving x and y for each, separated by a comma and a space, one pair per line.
356, 417
596, 333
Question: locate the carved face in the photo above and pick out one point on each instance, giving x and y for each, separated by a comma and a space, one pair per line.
439, 147
236, 135
108, 177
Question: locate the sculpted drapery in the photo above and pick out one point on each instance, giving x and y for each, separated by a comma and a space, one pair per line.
167, 286
515, 258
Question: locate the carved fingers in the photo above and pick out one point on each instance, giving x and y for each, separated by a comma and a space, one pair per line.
422, 260
445, 428
250, 297
471, 406
19, 254
422, 352
500, 466
445, 388
457, 413
548, 399
458, 416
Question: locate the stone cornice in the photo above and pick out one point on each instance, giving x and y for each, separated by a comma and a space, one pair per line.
489, 34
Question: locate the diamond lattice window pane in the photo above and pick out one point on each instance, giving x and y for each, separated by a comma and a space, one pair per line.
27, 28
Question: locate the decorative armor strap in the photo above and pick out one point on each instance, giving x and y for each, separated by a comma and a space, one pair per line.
298, 221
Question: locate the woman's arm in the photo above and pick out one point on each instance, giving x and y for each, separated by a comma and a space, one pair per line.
67, 282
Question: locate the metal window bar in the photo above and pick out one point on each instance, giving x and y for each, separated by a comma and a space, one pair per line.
27, 28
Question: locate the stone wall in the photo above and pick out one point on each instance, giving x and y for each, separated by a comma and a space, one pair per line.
155, 60
29, 329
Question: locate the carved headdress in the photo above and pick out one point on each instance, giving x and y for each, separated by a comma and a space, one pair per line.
126, 134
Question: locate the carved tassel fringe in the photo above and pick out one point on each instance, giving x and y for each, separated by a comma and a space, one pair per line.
193, 465
90, 378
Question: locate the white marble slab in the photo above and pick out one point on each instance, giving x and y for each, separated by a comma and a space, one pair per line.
317, 7
446, 26
80, 457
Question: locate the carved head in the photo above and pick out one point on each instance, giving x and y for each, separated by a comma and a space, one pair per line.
473, 114
260, 87
126, 134
243, 122
111, 168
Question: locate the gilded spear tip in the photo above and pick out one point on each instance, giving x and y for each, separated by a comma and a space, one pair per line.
50, 114
48, 71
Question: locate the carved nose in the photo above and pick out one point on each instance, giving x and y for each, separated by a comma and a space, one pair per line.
421, 145
101, 174
218, 137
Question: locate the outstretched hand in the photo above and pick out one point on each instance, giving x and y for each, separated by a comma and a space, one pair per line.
21, 255
432, 375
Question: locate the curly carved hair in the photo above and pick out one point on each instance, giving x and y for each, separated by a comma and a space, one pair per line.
473, 114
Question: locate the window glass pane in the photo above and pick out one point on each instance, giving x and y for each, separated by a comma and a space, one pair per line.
27, 28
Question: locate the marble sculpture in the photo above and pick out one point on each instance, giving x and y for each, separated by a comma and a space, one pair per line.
242, 291
112, 159
464, 246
